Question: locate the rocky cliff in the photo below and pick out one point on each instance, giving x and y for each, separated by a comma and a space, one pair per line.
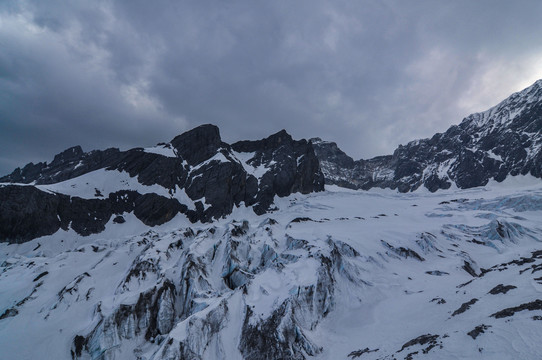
196, 174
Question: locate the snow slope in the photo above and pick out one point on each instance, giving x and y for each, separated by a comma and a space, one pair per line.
341, 274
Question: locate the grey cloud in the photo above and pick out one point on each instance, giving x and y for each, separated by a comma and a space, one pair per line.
368, 75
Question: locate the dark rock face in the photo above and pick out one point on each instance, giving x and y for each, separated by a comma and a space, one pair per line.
66, 165
152, 169
480, 329
27, 212
214, 175
505, 140
428, 339
198, 145
119, 219
467, 266
358, 353
154, 209
464, 307
9, 313
220, 184
530, 306
501, 289
294, 167
402, 252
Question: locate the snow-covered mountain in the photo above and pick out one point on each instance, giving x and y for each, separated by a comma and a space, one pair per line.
198, 249
196, 175
504, 140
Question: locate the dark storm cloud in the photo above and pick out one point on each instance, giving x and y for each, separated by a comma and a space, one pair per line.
368, 75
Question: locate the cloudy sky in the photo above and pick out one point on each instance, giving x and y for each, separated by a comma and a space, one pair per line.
368, 75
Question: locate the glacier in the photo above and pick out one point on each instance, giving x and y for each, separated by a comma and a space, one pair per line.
338, 274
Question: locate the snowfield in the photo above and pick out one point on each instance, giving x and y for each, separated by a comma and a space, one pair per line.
340, 274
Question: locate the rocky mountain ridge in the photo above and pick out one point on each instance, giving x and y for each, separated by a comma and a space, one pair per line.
196, 174
200, 176
505, 140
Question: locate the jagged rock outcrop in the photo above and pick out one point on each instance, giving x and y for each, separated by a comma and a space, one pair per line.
502, 141
295, 167
201, 176
68, 164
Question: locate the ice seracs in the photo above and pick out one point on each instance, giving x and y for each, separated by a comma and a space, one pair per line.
321, 277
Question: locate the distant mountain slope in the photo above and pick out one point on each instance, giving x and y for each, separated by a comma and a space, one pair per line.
196, 174
504, 140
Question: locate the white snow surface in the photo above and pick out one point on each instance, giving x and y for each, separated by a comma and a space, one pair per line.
100, 183
104, 182
164, 150
392, 299
257, 171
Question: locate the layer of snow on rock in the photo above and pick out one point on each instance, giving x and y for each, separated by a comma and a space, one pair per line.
104, 182
164, 150
100, 183
218, 157
494, 156
256, 171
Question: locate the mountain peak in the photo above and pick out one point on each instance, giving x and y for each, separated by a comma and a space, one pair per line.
271, 142
70, 154
509, 109
279, 137
198, 144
